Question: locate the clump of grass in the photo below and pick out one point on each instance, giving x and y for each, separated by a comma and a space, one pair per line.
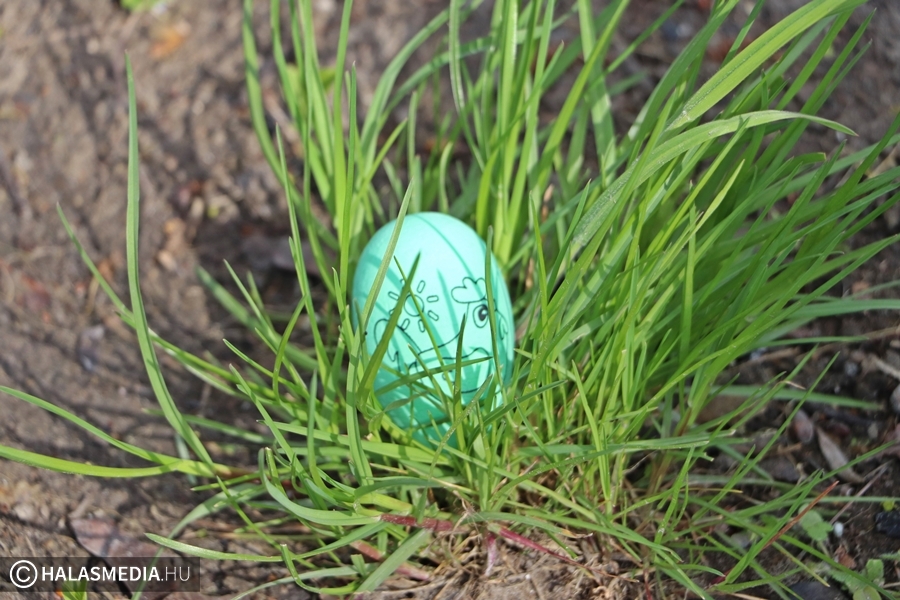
641, 265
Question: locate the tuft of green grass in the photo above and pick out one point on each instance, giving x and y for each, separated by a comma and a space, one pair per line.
642, 263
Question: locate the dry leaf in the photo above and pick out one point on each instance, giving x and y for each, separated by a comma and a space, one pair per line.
35, 298
107, 269
175, 245
802, 427
102, 538
836, 458
859, 286
168, 39
843, 557
167, 261
720, 406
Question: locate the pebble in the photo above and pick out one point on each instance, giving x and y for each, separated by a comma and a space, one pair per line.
723, 463
872, 431
815, 590
888, 523
781, 469
88, 345
895, 400
25, 512
742, 540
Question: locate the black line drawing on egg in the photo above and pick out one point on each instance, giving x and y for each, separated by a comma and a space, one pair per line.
469, 300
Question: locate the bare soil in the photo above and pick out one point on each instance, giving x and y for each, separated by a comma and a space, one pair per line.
208, 196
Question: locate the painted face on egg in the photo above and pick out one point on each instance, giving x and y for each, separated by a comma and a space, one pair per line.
449, 288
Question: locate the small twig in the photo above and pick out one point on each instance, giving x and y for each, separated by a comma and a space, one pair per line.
789, 352
284, 121
799, 516
420, 590
647, 584
792, 351
878, 473
405, 569
784, 529
23, 238
436, 525
536, 588
12, 188
884, 367
869, 337
521, 540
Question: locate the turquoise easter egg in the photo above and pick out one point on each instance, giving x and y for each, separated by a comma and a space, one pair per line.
448, 287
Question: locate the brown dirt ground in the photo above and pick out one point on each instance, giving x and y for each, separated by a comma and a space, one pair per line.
206, 191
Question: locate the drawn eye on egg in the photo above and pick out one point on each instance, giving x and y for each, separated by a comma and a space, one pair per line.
472, 293
480, 315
